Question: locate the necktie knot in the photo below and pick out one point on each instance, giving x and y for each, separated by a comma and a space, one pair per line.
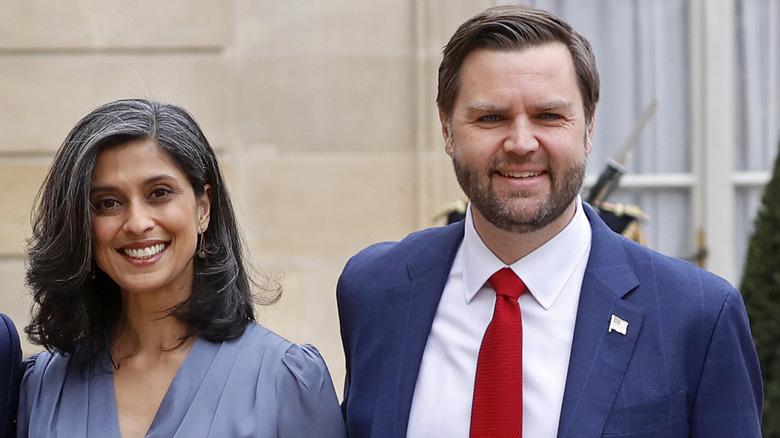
506, 283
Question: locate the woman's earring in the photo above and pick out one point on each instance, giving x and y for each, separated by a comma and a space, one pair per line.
202, 246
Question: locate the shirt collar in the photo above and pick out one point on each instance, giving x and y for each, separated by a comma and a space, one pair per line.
545, 279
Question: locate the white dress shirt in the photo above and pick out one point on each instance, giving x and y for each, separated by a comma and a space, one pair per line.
441, 406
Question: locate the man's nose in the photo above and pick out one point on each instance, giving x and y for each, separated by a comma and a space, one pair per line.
521, 137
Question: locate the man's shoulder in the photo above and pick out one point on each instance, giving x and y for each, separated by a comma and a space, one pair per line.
674, 280
386, 255
9, 337
654, 276
649, 266
386, 264
664, 266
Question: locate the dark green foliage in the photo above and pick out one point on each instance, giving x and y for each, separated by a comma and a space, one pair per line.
761, 289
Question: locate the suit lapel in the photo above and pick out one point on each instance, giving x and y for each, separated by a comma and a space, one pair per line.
409, 308
599, 358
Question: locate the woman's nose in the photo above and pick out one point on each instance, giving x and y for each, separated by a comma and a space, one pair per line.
139, 218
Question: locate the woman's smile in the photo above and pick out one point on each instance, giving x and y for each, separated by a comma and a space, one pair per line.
144, 253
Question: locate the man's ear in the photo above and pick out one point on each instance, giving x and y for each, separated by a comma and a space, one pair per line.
445, 132
591, 127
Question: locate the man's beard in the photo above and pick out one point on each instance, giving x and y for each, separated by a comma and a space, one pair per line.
499, 211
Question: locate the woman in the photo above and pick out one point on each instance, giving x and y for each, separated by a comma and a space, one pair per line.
142, 299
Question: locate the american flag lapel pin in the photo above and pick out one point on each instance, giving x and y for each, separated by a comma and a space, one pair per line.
618, 325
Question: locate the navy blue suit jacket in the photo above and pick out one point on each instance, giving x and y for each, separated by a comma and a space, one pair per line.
687, 365
10, 374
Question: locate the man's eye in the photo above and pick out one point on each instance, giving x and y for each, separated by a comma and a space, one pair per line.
492, 118
550, 116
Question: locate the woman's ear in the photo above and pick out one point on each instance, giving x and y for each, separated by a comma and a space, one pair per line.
204, 208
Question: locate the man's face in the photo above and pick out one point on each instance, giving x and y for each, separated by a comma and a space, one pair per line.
518, 136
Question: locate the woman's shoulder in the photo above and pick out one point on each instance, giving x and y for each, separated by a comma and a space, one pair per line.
297, 374
305, 364
44, 370
48, 369
43, 378
260, 341
274, 358
45, 362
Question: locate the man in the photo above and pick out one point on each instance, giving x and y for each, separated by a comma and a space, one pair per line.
10, 369
609, 338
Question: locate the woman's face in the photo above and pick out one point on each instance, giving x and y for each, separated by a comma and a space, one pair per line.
145, 219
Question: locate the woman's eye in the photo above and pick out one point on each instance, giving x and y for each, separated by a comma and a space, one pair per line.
160, 192
105, 205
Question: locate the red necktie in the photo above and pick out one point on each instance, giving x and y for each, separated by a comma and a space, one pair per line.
497, 410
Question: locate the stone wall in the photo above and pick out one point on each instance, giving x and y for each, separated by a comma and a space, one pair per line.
322, 113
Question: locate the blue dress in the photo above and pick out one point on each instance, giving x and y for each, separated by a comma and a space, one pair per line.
259, 385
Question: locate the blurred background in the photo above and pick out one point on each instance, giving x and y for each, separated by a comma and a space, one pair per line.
324, 118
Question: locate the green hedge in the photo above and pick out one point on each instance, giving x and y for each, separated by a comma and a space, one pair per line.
761, 290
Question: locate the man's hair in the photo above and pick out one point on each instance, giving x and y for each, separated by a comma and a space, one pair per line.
76, 301
515, 28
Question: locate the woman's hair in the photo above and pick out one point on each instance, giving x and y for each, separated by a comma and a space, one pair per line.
74, 300
506, 28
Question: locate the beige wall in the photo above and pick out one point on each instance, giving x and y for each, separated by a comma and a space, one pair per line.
323, 115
